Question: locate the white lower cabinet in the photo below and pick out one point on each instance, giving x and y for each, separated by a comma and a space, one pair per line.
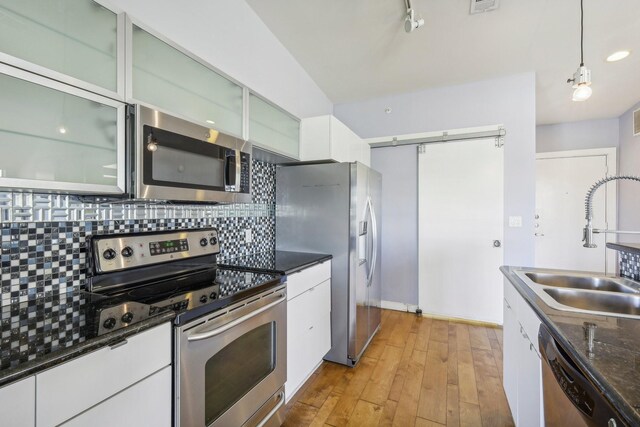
308, 324
18, 403
146, 403
85, 383
522, 379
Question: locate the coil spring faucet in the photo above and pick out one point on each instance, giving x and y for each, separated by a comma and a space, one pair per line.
588, 231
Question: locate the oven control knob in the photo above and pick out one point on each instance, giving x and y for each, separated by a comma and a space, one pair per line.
109, 323
203, 299
203, 242
213, 240
109, 254
213, 295
127, 251
127, 317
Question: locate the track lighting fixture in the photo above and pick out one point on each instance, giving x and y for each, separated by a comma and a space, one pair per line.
410, 22
581, 80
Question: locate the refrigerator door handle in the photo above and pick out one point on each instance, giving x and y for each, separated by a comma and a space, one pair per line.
374, 230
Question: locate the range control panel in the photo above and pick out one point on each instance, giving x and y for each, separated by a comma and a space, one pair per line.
120, 252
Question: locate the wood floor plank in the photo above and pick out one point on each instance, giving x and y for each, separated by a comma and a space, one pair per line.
424, 333
323, 413
408, 406
453, 406
403, 367
452, 364
462, 337
498, 332
433, 394
375, 349
365, 414
351, 394
467, 378
401, 331
439, 331
300, 415
421, 422
470, 415
479, 338
319, 390
387, 414
377, 389
489, 384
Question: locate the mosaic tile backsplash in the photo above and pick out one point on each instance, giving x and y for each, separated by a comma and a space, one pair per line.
43, 249
629, 265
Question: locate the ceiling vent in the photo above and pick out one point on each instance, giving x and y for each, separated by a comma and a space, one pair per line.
636, 122
479, 6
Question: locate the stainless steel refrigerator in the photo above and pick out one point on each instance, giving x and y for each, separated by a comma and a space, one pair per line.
334, 208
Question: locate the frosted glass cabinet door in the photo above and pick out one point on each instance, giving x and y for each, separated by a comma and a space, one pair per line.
55, 137
273, 129
77, 38
167, 78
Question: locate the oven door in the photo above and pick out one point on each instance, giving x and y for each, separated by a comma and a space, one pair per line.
231, 367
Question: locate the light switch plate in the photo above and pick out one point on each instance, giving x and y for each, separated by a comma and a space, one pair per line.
515, 221
247, 235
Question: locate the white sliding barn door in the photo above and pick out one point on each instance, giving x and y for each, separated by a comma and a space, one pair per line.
460, 212
562, 182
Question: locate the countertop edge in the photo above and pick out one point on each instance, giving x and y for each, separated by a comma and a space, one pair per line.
626, 411
308, 264
51, 360
625, 247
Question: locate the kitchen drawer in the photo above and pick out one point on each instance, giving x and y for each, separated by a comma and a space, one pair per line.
147, 403
321, 326
301, 281
67, 390
18, 403
511, 294
529, 321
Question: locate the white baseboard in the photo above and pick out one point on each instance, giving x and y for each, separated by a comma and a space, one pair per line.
399, 306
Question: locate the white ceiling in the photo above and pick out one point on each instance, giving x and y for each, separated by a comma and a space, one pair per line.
357, 49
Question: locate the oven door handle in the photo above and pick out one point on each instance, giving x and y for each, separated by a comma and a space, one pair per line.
210, 334
266, 419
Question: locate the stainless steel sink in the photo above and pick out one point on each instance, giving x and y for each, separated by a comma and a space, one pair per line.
584, 292
608, 302
583, 282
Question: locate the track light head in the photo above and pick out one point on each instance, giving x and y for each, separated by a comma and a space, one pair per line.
411, 23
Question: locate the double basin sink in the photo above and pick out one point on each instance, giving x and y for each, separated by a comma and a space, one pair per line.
585, 293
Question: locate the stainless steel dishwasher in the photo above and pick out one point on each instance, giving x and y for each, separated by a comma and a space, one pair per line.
570, 399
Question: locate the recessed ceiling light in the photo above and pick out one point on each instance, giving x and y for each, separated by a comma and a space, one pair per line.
617, 56
211, 122
62, 130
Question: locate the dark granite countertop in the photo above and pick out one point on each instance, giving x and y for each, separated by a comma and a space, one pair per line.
41, 333
282, 262
633, 248
615, 367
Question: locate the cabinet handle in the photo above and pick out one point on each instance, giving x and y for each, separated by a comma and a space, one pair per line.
118, 344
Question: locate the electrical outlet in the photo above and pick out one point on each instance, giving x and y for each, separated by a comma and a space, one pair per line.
247, 235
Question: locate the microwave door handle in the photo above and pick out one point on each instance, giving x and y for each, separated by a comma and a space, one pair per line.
228, 171
238, 170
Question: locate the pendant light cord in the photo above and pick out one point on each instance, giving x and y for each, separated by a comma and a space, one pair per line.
581, 34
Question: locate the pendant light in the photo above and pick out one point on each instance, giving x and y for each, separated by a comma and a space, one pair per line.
582, 77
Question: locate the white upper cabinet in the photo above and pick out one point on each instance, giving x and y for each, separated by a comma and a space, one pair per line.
327, 138
55, 137
167, 78
72, 41
273, 129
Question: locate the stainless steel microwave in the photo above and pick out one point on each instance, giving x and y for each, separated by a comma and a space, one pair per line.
174, 159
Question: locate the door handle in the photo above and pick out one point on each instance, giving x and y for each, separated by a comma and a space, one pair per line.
374, 229
497, 243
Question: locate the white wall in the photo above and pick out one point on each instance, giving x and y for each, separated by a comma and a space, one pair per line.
577, 135
628, 191
230, 36
509, 101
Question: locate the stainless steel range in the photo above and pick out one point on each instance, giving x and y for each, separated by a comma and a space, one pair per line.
230, 330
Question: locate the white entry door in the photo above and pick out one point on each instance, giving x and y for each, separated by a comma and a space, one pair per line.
562, 182
461, 229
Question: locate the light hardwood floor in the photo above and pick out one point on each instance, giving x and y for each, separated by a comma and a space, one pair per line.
417, 371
